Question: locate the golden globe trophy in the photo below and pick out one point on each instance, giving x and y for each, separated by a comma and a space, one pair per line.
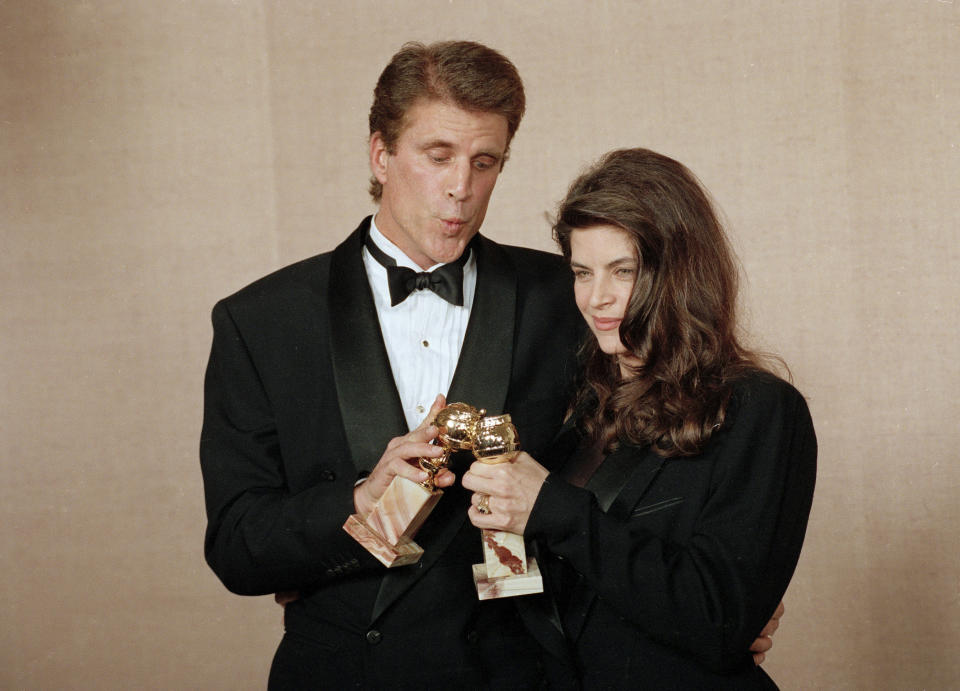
387, 531
505, 571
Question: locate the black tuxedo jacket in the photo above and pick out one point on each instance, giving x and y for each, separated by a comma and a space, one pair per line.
674, 566
300, 401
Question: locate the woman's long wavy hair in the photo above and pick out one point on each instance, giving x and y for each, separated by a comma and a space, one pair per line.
680, 321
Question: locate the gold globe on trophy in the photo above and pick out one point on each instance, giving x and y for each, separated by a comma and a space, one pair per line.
505, 571
457, 424
387, 531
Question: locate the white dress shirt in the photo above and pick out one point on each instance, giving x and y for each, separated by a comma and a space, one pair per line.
423, 334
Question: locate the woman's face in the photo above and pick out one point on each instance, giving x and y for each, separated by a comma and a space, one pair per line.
605, 267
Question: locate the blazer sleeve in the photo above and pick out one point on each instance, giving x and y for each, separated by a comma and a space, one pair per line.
710, 593
260, 537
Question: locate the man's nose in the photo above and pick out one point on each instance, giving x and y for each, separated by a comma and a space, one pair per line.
458, 182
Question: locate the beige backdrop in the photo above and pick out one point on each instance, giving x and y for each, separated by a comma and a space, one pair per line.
155, 156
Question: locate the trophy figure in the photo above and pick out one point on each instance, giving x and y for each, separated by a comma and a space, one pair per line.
387, 531
505, 571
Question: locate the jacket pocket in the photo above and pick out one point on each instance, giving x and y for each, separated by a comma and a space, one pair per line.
657, 506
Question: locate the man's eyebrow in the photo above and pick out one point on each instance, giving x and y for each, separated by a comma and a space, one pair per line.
436, 144
444, 144
492, 154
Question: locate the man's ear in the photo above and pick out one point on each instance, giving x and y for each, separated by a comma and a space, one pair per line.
378, 157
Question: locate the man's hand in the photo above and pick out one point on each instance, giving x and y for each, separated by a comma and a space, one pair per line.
511, 490
765, 641
400, 459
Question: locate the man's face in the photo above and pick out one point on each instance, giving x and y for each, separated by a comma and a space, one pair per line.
438, 181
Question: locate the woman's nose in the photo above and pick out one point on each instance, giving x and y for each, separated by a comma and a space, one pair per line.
601, 294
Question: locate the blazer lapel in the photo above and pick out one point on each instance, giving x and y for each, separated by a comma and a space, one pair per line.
369, 402
481, 379
618, 484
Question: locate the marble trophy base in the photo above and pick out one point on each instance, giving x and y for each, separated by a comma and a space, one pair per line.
505, 571
387, 531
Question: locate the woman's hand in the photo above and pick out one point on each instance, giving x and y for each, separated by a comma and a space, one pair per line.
764, 642
400, 459
511, 490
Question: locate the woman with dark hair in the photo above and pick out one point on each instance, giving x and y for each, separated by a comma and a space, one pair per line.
673, 529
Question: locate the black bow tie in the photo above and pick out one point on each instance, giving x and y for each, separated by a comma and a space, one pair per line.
446, 281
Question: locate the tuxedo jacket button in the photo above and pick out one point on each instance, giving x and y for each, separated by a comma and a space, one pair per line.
327, 475
374, 636
472, 637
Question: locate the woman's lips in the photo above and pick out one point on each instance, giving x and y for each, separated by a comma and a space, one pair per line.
606, 324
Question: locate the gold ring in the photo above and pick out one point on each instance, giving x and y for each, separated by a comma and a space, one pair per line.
483, 506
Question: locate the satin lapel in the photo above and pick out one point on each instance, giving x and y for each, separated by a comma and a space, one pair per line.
622, 479
540, 613
481, 379
369, 402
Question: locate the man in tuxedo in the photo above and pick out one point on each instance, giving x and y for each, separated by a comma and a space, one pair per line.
321, 374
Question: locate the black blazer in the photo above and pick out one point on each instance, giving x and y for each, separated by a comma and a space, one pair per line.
677, 564
300, 402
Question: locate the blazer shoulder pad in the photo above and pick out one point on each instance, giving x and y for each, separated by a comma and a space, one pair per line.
307, 274
763, 394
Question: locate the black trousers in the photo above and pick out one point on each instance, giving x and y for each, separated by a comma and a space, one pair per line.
497, 653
